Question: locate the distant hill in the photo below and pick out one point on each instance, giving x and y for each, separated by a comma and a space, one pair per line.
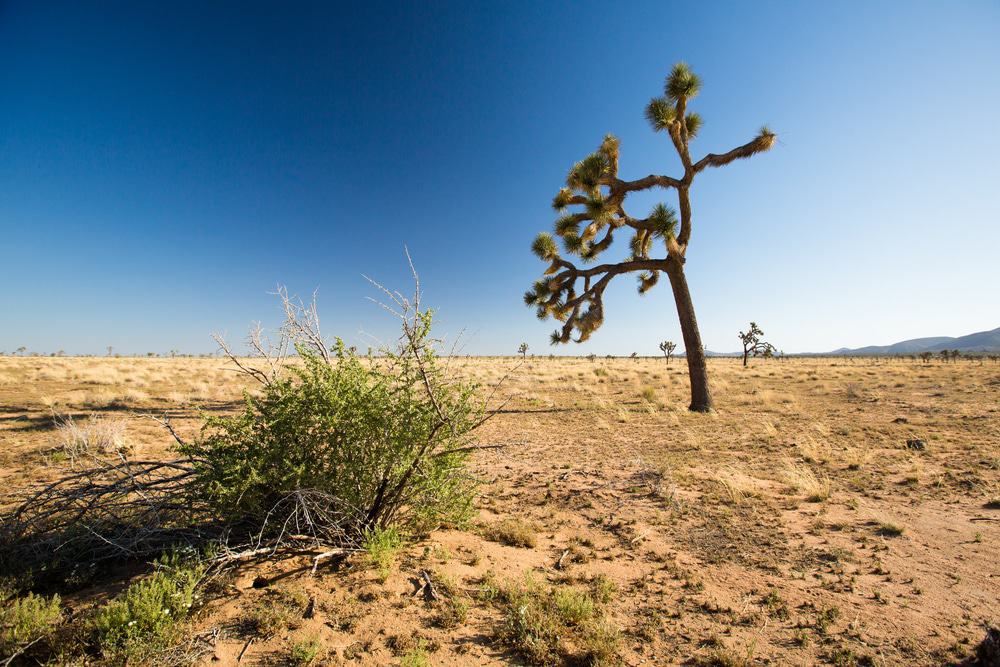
983, 341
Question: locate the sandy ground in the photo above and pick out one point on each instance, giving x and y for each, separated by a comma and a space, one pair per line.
792, 526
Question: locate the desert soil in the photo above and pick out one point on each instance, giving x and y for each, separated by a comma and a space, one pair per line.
794, 525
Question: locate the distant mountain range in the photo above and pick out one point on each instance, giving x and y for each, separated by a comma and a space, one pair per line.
983, 341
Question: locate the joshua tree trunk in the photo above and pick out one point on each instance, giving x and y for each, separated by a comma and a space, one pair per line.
701, 399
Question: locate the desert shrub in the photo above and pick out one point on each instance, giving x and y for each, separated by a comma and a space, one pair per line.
331, 445
552, 625
144, 618
416, 658
305, 652
365, 433
381, 546
26, 620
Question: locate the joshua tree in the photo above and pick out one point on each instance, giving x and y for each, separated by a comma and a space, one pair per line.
634, 356
667, 347
594, 185
20, 351
522, 349
955, 354
753, 344
926, 356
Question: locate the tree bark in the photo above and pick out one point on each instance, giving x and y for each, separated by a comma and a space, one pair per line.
701, 399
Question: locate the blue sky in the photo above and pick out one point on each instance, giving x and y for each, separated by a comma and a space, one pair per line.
164, 165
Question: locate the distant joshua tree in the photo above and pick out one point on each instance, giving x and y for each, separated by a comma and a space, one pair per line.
522, 349
591, 356
634, 356
955, 354
667, 347
926, 356
754, 344
20, 351
574, 295
110, 350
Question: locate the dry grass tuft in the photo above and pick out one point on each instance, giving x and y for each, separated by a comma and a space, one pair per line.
98, 435
512, 532
738, 486
804, 480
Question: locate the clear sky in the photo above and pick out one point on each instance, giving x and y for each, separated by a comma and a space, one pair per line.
163, 165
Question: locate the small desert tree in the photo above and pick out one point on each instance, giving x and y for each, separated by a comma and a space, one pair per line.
754, 344
574, 295
522, 349
926, 356
667, 347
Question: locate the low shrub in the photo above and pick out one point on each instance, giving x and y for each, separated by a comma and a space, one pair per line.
26, 620
381, 546
551, 625
383, 441
144, 618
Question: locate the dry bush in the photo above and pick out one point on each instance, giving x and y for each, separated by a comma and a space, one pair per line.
96, 436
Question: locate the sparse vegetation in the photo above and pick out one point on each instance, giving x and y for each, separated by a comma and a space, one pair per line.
547, 625
654, 533
512, 532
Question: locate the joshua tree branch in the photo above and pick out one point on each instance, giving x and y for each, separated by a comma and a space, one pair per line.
759, 144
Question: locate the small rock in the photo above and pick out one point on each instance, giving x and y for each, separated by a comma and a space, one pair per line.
916, 444
900, 420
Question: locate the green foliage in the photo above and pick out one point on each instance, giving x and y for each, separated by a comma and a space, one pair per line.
26, 619
416, 657
366, 433
661, 114
693, 123
381, 546
586, 174
682, 83
305, 652
567, 224
573, 606
664, 221
143, 619
544, 246
554, 625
